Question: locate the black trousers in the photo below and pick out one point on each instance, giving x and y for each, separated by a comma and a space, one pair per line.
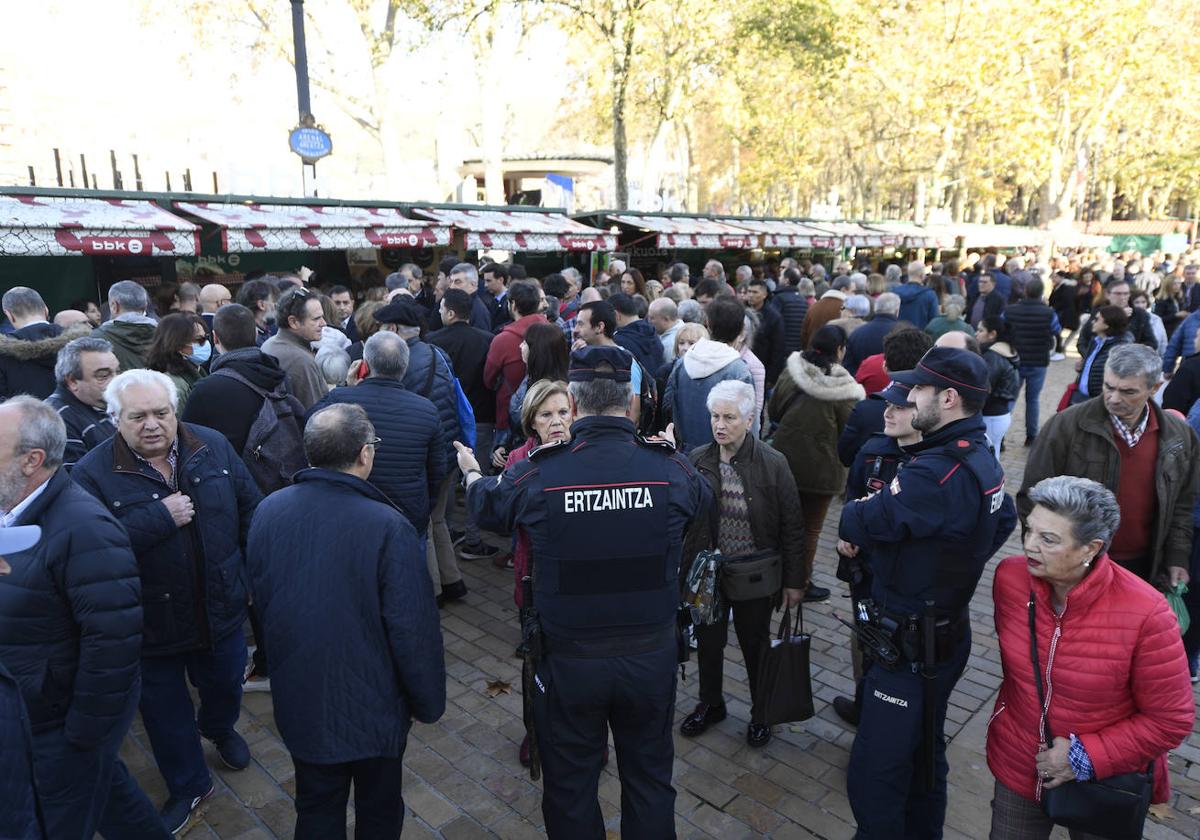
575, 702
322, 791
752, 623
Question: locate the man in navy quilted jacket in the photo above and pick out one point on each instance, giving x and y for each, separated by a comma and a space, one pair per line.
70, 635
356, 647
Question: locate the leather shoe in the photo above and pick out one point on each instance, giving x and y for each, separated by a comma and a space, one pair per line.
814, 593
452, 592
701, 718
846, 710
758, 734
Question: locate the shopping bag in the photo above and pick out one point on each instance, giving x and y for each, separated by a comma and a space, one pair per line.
1175, 599
784, 683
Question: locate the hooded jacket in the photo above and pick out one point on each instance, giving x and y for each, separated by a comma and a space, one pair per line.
27, 358
812, 408
640, 339
1113, 670
706, 364
227, 405
918, 304
130, 336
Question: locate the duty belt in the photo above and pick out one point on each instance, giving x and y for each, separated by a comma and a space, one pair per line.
910, 638
609, 646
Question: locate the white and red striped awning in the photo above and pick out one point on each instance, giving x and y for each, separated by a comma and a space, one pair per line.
295, 227
50, 226
520, 230
786, 233
854, 235
691, 232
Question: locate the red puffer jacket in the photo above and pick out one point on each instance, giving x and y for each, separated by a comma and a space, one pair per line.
1114, 673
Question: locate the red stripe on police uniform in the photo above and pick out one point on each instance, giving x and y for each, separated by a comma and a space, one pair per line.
601, 486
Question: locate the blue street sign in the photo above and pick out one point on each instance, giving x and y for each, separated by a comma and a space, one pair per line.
310, 143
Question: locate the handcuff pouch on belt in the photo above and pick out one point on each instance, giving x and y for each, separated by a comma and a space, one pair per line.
893, 639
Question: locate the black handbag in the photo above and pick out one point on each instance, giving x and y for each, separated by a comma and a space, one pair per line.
757, 575
784, 689
1114, 807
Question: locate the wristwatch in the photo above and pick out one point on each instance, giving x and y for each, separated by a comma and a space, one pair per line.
467, 475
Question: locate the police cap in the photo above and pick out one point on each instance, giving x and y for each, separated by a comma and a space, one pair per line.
897, 393
946, 367
591, 363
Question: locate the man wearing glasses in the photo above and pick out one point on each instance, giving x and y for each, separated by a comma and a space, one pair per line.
300, 319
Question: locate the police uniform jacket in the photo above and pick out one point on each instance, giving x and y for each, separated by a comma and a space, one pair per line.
771, 499
931, 531
606, 514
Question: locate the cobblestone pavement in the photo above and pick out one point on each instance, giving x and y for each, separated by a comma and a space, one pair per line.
462, 779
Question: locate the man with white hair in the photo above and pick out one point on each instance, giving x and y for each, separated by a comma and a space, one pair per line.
130, 331
664, 317
465, 277
714, 270
616, 268
868, 339
918, 302
27, 355
70, 633
185, 498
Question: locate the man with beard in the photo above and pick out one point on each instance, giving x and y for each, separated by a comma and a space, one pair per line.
928, 535
70, 634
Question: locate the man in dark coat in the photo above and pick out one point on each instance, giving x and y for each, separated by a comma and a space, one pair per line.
467, 348
27, 355
1034, 326
987, 302
495, 295
465, 277
430, 375
635, 334
70, 631
410, 458
83, 370
770, 344
185, 498
1139, 321
867, 340
792, 307
230, 401
21, 816
345, 597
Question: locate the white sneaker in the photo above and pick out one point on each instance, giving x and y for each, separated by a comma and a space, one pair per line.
1057, 357
253, 683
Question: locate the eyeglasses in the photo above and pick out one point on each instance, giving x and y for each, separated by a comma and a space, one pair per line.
373, 442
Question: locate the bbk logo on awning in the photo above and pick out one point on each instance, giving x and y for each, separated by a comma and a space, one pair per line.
132, 246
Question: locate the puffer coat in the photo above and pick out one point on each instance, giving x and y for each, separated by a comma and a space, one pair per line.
193, 578
1113, 670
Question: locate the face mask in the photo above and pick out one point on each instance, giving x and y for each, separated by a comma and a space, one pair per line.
269, 319
203, 353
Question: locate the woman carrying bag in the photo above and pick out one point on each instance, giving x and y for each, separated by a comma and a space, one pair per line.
1095, 688
755, 526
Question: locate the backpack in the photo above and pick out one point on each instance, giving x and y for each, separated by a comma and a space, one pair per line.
274, 450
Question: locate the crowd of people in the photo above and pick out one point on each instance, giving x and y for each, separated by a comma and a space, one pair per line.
182, 454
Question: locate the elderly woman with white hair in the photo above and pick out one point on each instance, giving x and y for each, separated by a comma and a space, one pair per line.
754, 520
1095, 677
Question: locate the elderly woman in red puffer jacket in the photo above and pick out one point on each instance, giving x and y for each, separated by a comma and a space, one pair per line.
1112, 665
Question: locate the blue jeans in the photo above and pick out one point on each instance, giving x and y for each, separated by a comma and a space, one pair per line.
1033, 378
84, 791
171, 721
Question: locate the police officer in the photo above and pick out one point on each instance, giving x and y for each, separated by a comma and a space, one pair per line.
605, 512
928, 535
873, 468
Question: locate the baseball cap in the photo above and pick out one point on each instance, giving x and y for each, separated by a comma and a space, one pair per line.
896, 393
19, 538
947, 367
591, 363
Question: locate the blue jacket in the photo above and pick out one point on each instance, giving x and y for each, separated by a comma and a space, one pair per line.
867, 340
639, 338
410, 460
918, 304
193, 578
349, 617
689, 383
1182, 343
930, 533
792, 307
19, 818
439, 391
71, 616
866, 419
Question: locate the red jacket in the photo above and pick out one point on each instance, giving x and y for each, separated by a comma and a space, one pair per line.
1113, 668
504, 369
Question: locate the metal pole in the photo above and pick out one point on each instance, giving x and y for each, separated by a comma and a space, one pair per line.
83, 166
116, 176
302, 99
32, 177
137, 174
58, 167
